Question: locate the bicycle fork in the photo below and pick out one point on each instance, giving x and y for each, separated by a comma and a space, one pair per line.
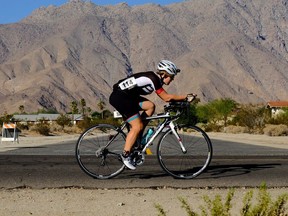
173, 126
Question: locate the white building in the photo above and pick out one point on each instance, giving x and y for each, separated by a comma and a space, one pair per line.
277, 107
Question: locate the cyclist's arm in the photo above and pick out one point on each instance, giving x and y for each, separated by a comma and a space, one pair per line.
169, 97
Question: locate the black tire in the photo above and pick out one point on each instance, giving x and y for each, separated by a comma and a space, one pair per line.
185, 165
98, 151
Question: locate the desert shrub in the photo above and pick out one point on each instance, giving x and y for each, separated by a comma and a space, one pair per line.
265, 205
186, 207
280, 119
262, 205
252, 117
88, 122
215, 112
216, 206
23, 126
85, 123
276, 130
189, 117
110, 120
160, 210
201, 125
54, 127
5, 118
63, 120
213, 127
42, 127
73, 130
235, 129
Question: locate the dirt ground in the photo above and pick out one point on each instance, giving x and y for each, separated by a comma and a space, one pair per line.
79, 201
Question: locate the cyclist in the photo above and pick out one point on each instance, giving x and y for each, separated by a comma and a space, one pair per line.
127, 100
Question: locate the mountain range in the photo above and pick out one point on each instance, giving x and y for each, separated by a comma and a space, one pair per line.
234, 49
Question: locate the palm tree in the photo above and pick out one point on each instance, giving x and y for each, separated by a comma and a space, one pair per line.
21, 109
101, 106
83, 106
74, 108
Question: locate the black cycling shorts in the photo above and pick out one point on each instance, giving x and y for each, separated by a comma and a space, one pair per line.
126, 104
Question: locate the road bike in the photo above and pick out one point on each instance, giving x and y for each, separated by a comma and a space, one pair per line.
183, 151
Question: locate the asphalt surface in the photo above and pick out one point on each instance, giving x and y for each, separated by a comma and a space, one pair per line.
234, 164
220, 148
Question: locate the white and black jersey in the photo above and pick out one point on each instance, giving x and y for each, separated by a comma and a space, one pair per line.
126, 96
144, 84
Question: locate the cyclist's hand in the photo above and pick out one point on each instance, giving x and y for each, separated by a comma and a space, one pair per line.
190, 97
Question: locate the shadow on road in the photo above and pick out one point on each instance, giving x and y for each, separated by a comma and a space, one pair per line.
213, 171
220, 171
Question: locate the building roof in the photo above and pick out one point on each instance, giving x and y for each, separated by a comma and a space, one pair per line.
37, 117
277, 104
25, 117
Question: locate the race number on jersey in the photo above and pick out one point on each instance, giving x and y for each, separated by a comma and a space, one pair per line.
128, 83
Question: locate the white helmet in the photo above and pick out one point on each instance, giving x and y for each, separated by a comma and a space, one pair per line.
168, 66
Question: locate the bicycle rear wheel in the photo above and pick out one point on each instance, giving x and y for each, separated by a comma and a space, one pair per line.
98, 151
189, 164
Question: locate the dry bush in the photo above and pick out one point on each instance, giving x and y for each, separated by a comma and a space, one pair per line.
235, 129
201, 125
54, 127
42, 127
73, 130
276, 130
213, 127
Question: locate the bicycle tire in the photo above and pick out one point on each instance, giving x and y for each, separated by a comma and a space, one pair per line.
185, 165
98, 151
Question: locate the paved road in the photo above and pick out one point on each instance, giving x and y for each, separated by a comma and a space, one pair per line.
220, 148
234, 164
63, 171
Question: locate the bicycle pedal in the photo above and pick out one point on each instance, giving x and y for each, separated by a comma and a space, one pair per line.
148, 151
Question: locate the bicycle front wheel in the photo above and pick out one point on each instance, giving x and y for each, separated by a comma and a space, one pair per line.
193, 161
98, 151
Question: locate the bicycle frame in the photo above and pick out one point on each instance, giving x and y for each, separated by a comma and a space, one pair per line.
169, 120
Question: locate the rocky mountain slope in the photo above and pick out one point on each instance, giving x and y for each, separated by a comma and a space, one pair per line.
225, 48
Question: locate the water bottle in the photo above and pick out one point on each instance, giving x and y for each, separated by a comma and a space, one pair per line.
147, 136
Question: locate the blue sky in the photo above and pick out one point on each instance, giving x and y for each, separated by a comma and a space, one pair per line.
14, 10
